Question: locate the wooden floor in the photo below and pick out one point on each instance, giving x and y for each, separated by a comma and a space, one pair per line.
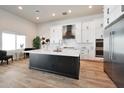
17, 74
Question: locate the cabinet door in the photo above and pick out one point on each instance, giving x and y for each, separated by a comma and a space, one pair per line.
92, 50
84, 51
88, 35
55, 34
85, 32
106, 15
91, 32
99, 29
78, 32
87, 51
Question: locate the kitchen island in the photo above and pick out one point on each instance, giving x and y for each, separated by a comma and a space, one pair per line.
66, 62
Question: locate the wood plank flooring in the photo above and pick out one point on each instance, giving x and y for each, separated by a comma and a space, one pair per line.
18, 75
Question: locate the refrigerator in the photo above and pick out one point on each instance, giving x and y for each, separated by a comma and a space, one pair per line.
114, 52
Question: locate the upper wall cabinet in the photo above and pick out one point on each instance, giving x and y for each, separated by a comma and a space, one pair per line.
111, 13
55, 34
99, 28
88, 32
78, 32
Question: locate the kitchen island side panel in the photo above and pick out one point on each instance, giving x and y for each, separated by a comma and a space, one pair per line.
62, 65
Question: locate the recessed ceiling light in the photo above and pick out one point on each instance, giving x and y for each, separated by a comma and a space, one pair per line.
69, 11
37, 18
53, 14
20, 7
90, 6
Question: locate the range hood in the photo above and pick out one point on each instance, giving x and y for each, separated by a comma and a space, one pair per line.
68, 34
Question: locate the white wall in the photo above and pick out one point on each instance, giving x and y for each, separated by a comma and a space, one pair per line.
44, 28
14, 24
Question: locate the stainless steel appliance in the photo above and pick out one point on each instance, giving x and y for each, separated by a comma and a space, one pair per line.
114, 51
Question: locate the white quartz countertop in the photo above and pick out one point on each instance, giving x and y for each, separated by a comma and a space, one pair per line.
65, 52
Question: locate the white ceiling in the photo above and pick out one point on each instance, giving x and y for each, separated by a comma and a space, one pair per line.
46, 11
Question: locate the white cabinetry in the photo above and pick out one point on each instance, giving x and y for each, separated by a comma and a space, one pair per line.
87, 51
91, 30
85, 34
88, 33
99, 29
111, 13
55, 34
88, 40
84, 51
78, 32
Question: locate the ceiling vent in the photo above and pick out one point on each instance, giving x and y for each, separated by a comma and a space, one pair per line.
64, 13
37, 11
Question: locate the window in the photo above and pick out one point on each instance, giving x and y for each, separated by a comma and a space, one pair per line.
13, 41
20, 41
8, 41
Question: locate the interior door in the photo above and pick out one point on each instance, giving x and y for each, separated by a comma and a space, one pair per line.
107, 52
118, 53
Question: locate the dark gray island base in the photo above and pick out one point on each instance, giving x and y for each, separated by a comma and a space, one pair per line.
63, 65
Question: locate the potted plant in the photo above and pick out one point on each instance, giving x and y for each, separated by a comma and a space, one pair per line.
36, 42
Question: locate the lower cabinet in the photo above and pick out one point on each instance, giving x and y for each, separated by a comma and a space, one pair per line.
67, 66
87, 51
